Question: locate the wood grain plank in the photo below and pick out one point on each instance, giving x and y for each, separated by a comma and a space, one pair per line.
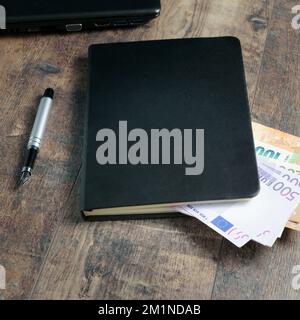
29, 216
134, 259
162, 258
256, 272
21, 269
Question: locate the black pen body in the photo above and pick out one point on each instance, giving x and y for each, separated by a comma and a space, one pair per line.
31, 156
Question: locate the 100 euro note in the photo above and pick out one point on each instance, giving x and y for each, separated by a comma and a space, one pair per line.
284, 150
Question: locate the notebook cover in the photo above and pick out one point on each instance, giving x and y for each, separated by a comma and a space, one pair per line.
185, 84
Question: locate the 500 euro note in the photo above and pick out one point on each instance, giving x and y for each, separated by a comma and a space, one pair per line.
284, 150
262, 218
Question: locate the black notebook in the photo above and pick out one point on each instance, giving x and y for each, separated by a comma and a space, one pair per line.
168, 123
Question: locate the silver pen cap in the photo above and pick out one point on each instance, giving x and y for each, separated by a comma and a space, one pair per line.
40, 123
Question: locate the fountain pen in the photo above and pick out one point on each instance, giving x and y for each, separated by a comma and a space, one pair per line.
36, 135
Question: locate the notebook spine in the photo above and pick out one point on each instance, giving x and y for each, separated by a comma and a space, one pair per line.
84, 151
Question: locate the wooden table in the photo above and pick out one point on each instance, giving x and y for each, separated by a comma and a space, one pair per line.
50, 252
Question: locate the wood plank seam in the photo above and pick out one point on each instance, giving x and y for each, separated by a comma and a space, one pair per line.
64, 213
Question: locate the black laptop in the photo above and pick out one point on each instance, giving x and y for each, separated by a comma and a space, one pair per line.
76, 15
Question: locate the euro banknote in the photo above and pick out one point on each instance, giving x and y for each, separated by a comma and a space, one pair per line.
284, 150
262, 218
